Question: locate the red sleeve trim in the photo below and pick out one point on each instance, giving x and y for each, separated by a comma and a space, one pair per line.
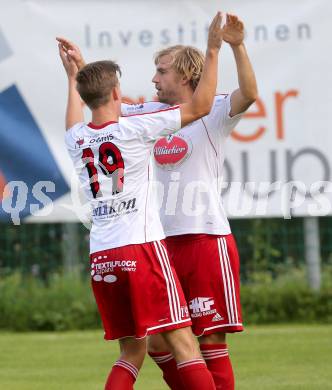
157, 101
153, 112
145, 101
99, 127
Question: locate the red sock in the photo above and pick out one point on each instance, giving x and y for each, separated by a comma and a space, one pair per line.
167, 364
122, 376
219, 364
195, 375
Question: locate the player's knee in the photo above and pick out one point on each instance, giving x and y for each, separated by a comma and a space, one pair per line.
214, 338
182, 344
156, 343
134, 357
185, 350
133, 351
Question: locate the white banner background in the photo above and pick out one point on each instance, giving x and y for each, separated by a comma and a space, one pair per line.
289, 45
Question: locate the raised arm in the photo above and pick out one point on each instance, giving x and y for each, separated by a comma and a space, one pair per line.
202, 99
246, 94
74, 111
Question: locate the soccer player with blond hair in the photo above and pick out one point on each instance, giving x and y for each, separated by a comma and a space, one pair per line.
189, 164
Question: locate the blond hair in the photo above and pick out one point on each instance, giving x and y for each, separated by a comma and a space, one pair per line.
187, 61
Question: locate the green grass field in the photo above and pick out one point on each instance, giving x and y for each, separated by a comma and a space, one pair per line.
270, 357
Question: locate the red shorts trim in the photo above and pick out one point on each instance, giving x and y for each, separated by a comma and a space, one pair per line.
137, 291
208, 268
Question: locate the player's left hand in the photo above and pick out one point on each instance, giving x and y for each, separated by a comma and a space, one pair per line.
233, 30
68, 63
73, 50
215, 33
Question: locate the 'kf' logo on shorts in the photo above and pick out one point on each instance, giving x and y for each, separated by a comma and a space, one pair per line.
200, 305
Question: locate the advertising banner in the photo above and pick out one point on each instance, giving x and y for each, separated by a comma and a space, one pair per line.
278, 157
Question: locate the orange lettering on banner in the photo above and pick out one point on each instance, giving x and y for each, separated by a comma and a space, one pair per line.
279, 102
260, 113
128, 100
3, 192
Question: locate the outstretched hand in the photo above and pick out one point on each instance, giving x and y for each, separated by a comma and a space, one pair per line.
215, 36
68, 62
73, 50
233, 30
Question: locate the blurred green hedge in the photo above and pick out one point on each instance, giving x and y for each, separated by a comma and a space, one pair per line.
67, 302
61, 303
286, 299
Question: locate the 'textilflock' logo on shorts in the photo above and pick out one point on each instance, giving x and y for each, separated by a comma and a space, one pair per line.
100, 271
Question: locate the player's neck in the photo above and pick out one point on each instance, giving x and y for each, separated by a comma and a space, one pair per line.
103, 114
184, 96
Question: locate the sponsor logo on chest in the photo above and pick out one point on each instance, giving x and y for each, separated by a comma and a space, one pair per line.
172, 150
114, 209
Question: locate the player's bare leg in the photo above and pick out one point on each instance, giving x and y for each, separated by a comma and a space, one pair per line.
182, 343
183, 366
215, 353
161, 354
133, 350
125, 369
219, 337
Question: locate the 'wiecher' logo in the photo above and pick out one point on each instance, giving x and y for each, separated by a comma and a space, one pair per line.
171, 151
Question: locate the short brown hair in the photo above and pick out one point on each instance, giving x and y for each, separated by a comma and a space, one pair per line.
95, 82
187, 61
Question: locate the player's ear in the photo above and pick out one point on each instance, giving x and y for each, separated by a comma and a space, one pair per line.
185, 80
116, 95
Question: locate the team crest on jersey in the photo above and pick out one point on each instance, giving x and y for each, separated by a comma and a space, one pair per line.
172, 151
79, 143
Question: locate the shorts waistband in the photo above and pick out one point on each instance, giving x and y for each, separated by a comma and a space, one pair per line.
192, 237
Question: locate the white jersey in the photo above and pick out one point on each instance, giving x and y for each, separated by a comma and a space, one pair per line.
112, 162
189, 165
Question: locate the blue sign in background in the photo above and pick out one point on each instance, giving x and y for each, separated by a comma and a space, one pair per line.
24, 153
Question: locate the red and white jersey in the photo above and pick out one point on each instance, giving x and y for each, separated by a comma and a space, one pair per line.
112, 162
189, 164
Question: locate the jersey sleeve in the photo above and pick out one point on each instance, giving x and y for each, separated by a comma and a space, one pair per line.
154, 125
74, 135
219, 117
230, 122
142, 108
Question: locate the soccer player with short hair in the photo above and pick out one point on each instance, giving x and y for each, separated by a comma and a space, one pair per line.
135, 286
